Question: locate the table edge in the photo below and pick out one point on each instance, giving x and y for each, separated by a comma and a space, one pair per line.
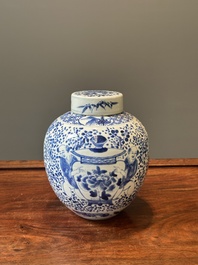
39, 164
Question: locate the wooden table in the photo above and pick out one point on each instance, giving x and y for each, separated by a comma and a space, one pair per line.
159, 227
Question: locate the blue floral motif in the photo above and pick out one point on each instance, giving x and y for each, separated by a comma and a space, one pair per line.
99, 182
96, 93
99, 190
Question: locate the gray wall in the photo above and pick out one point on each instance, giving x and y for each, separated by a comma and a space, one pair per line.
148, 50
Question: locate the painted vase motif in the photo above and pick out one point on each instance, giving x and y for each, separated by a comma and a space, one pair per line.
96, 155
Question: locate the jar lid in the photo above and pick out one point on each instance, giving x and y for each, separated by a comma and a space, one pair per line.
97, 102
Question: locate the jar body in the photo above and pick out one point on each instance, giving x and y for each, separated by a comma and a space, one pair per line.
96, 164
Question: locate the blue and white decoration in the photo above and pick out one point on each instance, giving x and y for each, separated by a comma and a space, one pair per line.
96, 164
97, 102
97, 93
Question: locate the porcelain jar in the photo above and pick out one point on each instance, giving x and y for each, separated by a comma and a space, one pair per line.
96, 155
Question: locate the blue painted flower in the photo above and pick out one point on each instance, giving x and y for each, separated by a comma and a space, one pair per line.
99, 183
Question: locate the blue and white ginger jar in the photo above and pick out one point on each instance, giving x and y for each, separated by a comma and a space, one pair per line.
96, 155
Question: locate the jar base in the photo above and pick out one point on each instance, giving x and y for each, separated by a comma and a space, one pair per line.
96, 216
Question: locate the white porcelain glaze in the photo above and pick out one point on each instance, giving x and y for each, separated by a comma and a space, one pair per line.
96, 156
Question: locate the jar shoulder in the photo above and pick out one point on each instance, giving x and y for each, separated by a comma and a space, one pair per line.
78, 119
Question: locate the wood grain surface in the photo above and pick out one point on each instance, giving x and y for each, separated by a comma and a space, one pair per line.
159, 227
38, 164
